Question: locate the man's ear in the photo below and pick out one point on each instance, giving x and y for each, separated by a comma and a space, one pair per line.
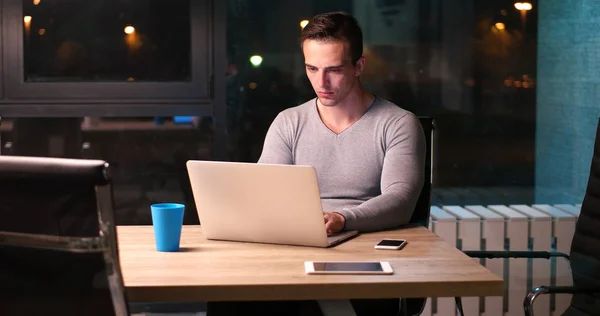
360, 66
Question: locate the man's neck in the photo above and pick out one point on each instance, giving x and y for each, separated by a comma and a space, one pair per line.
342, 115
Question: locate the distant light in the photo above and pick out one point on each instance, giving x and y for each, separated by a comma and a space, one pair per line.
130, 79
303, 23
252, 85
523, 6
27, 19
42, 31
129, 29
36, 2
256, 60
500, 26
503, 12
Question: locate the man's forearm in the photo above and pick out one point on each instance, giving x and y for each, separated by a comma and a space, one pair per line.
388, 210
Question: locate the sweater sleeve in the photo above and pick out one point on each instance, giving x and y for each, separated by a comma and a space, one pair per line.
277, 148
402, 179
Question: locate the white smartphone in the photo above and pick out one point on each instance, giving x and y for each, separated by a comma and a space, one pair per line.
348, 267
391, 244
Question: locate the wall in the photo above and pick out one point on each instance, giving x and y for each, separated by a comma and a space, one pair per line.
568, 98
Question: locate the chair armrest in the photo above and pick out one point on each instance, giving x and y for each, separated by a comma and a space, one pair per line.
51, 242
566, 290
531, 296
515, 254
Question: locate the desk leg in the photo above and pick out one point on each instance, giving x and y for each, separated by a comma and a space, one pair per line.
337, 308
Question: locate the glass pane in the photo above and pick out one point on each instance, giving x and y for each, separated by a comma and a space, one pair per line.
74, 41
469, 64
147, 155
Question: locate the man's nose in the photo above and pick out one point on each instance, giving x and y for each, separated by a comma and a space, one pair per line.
323, 80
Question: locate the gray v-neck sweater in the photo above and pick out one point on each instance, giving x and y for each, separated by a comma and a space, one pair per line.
371, 173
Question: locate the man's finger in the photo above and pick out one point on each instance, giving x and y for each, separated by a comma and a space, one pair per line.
328, 230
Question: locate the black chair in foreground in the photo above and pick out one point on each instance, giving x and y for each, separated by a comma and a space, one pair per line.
584, 256
58, 248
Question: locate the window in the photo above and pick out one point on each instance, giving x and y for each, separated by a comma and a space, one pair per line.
73, 41
469, 64
145, 50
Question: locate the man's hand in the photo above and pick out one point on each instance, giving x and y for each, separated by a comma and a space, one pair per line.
334, 223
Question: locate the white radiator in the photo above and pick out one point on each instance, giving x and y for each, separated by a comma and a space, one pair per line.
512, 227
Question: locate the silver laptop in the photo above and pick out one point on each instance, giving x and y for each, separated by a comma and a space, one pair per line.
263, 203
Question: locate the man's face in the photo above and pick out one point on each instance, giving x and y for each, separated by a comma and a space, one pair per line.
330, 70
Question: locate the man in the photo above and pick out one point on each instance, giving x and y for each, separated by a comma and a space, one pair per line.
369, 153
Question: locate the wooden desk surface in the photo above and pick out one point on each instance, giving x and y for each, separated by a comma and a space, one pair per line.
207, 270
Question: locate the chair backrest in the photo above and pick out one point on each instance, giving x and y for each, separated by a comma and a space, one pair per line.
422, 209
585, 254
58, 250
415, 306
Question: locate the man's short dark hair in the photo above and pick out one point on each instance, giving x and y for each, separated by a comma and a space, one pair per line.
335, 26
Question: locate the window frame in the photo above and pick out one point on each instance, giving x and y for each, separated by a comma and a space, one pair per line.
1, 52
107, 98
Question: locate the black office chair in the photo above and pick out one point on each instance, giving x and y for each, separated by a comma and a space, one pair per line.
58, 248
422, 210
584, 257
415, 306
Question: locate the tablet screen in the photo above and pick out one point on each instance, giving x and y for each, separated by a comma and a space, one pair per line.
348, 266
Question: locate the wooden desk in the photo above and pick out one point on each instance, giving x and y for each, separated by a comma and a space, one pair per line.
219, 271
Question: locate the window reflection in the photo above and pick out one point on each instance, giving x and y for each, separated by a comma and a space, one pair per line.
147, 155
469, 64
72, 41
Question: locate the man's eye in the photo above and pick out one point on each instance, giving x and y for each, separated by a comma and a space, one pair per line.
312, 69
